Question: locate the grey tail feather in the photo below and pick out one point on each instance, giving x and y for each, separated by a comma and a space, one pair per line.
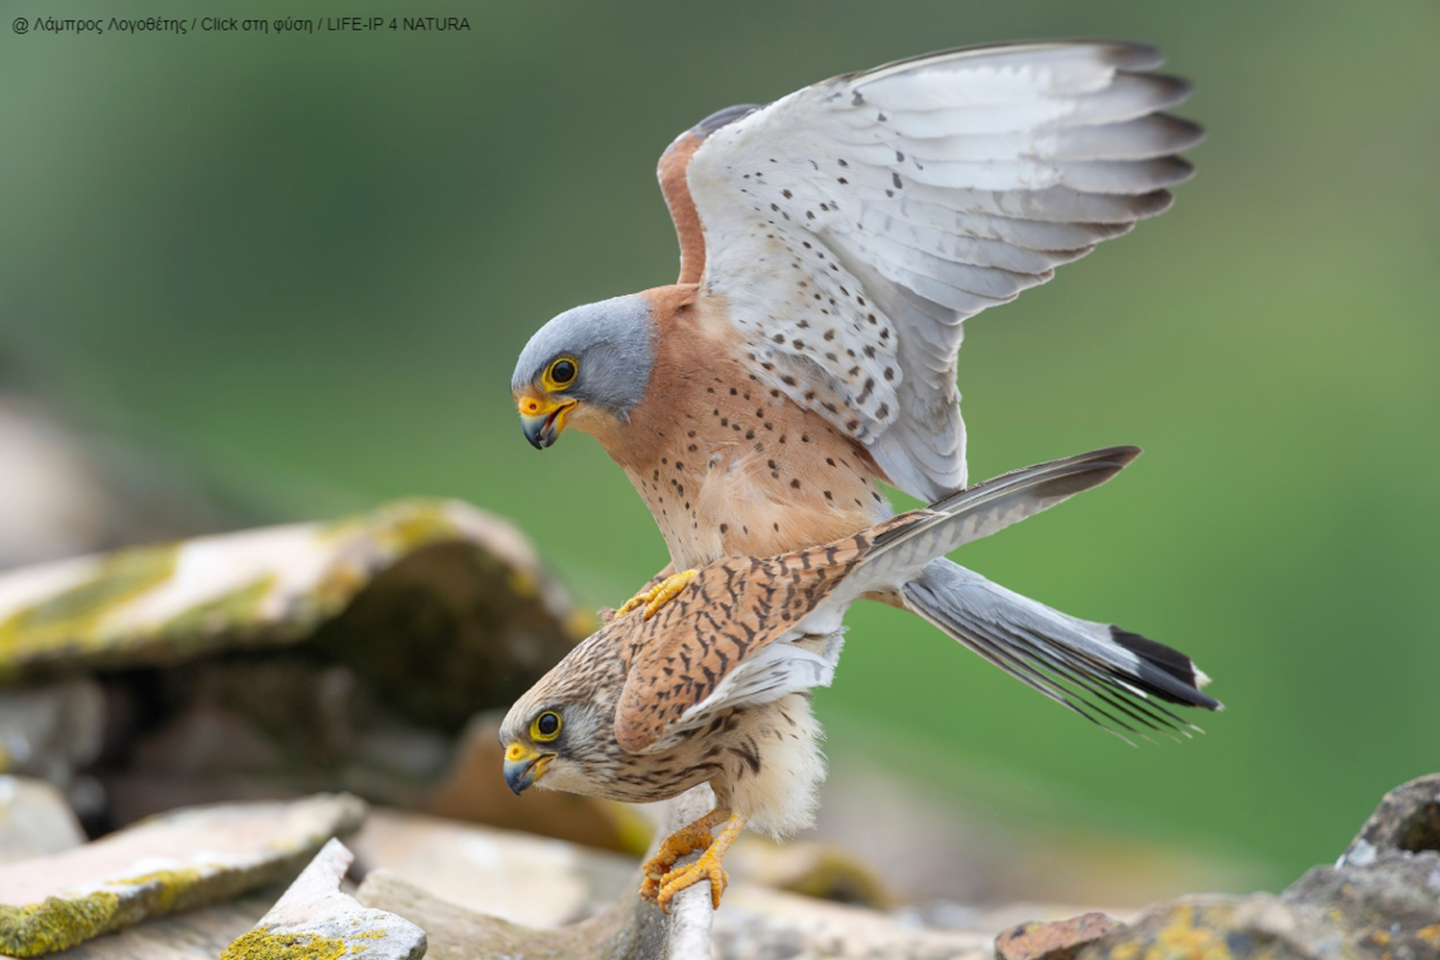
1110, 676
901, 550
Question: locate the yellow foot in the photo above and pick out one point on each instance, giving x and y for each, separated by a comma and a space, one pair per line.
706, 868
686, 840
659, 595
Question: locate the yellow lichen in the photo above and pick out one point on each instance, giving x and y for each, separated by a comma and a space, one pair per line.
56, 924
1181, 938
1430, 934
72, 616
239, 607
414, 523
366, 935
261, 944
522, 583
1128, 950
170, 885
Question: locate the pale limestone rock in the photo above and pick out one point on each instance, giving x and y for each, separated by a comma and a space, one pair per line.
170, 862
315, 918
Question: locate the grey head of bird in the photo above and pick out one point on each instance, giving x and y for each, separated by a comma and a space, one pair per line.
588, 366
563, 728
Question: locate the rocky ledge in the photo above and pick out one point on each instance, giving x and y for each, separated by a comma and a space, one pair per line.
443, 889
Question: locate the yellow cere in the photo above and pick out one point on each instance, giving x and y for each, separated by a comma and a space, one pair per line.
515, 752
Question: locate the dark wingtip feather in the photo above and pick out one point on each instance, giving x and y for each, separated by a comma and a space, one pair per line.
1172, 663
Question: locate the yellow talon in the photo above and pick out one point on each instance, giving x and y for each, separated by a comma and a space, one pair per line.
659, 595
686, 840
706, 868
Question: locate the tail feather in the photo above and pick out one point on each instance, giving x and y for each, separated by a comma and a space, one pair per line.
904, 545
1110, 676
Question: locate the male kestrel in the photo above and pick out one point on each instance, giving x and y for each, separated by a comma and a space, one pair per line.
714, 687
832, 243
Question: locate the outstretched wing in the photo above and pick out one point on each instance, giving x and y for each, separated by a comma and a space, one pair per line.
852, 226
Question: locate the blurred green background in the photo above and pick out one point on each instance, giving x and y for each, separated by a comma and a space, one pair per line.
307, 263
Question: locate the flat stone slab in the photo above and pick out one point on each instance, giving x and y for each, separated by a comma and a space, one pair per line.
199, 934
519, 877
268, 586
314, 919
167, 863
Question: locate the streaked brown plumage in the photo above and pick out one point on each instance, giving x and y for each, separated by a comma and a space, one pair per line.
714, 687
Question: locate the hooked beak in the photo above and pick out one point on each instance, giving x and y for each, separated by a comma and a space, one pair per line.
523, 766
543, 419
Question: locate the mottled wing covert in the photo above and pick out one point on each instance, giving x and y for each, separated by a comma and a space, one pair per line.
714, 646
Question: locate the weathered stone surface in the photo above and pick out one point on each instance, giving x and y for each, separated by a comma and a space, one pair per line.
198, 934
759, 924
35, 820
514, 876
1053, 940
753, 924
1408, 818
169, 863
354, 652
458, 933
314, 919
1380, 901
1260, 926
468, 901
444, 576
626, 928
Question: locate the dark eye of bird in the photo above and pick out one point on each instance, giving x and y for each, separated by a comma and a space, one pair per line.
548, 724
562, 371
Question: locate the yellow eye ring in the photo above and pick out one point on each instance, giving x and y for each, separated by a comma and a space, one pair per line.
545, 727
560, 374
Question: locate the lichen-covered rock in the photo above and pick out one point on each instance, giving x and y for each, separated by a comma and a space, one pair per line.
547, 899
314, 920
168, 863
273, 663
35, 820
1380, 901
277, 585
198, 934
1408, 819
1053, 940
552, 880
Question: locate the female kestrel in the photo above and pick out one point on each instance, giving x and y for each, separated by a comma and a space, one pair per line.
832, 243
714, 688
